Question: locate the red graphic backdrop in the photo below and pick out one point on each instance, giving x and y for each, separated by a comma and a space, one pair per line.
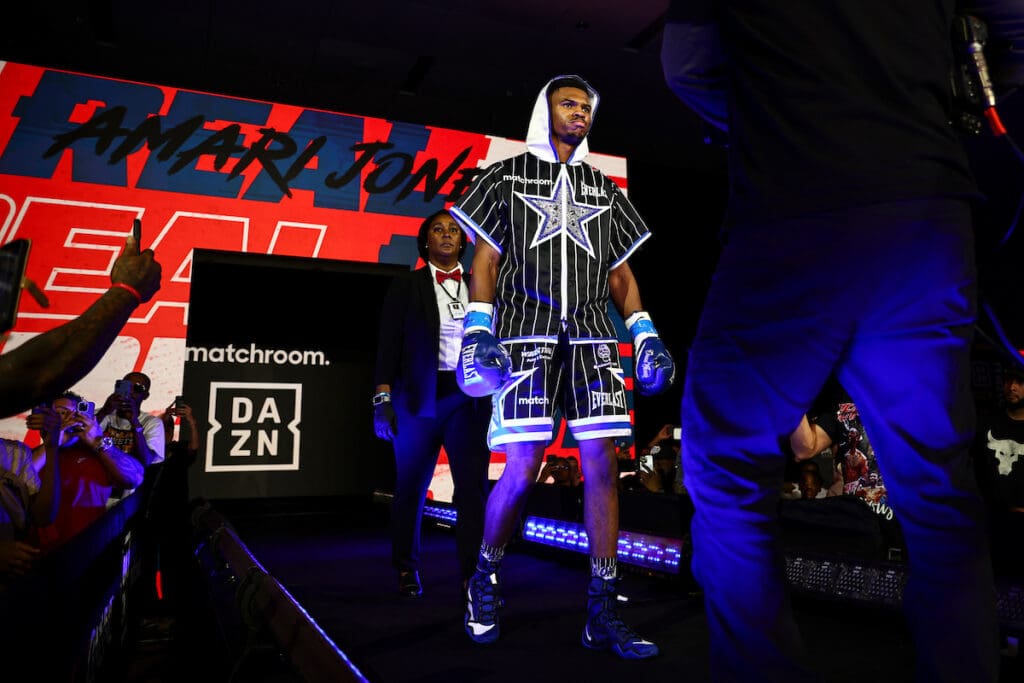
81, 156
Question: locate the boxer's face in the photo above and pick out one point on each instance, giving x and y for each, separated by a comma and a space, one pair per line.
570, 115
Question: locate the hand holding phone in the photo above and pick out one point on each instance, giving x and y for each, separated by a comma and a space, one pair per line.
13, 259
137, 268
43, 418
123, 388
87, 408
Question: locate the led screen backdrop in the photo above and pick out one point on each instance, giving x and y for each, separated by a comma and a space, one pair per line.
81, 156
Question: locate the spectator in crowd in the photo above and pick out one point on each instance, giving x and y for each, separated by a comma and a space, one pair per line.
90, 464
187, 442
832, 435
552, 463
629, 474
28, 499
667, 438
573, 476
562, 471
665, 434
830, 481
999, 465
661, 477
810, 481
133, 431
625, 469
999, 449
165, 545
46, 364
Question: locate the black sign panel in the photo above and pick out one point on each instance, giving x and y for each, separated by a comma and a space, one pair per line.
279, 373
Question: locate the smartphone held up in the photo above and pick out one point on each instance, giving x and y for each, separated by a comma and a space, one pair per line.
123, 388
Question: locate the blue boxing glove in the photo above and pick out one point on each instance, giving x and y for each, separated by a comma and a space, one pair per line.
653, 365
484, 364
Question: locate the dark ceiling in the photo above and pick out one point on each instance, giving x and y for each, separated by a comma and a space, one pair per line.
466, 64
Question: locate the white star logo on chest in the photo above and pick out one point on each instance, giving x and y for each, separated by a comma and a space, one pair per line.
549, 209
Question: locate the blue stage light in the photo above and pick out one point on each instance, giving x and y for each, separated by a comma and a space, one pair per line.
443, 514
644, 550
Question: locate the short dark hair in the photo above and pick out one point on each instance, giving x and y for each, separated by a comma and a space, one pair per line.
69, 395
570, 82
421, 236
1014, 371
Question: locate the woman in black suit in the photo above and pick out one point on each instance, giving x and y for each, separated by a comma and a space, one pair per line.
419, 407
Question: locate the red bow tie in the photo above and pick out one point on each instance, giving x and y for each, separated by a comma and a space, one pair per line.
455, 275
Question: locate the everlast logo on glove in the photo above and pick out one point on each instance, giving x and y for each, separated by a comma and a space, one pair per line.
469, 374
645, 366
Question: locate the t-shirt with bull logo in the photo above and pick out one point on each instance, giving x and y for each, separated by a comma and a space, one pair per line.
1000, 449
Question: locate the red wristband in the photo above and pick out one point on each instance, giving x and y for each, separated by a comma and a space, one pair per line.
128, 288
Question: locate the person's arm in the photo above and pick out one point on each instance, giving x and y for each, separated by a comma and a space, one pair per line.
653, 368
56, 359
390, 348
44, 505
836, 489
150, 440
110, 406
663, 434
125, 471
651, 480
484, 364
624, 290
808, 439
391, 331
484, 283
692, 59
185, 411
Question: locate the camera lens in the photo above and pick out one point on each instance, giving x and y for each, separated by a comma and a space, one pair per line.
83, 406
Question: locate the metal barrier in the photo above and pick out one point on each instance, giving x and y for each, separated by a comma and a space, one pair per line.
264, 615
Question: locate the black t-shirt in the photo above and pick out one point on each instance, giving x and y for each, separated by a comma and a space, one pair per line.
835, 412
999, 458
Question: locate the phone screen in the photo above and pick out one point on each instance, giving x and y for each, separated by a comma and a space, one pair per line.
647, 462
13, 258
677, 433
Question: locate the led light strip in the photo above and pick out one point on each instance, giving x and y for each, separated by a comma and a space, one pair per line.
447, 515
644, 550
